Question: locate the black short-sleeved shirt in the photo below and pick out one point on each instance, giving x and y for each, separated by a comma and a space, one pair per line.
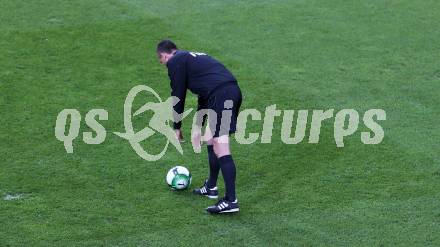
199, 73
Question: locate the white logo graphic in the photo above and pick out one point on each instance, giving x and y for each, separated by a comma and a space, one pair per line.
163, 113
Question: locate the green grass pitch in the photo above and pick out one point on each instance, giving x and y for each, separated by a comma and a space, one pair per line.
297, 54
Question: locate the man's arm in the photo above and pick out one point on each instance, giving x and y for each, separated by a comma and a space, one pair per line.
201, 104
177, 74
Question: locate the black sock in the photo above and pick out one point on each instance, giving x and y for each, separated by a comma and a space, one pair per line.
214, 168
228, 170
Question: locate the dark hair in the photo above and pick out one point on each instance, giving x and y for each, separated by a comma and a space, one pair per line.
166, 46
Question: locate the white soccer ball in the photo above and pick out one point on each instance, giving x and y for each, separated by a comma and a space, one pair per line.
178, 178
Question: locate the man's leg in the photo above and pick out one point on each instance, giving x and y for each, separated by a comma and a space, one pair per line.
227, 165
209, 189
229, 204
227, 105
214, 166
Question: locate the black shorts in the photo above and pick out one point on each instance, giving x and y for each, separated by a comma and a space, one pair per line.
225, 102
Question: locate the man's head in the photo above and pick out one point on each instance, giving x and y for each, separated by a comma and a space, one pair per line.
165, 50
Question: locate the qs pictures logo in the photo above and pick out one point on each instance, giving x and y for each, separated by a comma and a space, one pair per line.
345, 123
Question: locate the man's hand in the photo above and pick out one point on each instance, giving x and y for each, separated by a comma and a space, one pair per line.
179, 135
196, 140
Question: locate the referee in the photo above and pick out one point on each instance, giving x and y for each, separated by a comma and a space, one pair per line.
218, 92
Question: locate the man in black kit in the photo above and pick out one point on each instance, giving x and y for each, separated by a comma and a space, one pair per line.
218, 92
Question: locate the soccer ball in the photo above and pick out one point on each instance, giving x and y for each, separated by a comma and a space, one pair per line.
179, 178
